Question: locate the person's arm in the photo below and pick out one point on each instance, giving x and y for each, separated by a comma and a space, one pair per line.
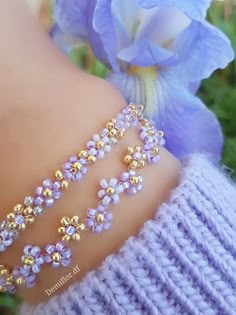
49, 109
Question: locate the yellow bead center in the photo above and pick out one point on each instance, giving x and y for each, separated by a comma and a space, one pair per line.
110, 190
99, 218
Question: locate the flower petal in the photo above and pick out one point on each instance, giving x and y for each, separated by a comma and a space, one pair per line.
63, 42
145, 54
195, 9
188, 125
163, 26
203, 49
104, 40
72, 17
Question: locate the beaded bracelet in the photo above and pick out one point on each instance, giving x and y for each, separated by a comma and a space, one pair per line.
97, 219
73, 170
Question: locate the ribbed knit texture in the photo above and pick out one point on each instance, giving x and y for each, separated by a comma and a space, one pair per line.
182, 262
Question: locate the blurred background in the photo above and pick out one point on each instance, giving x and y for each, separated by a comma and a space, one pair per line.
218, 92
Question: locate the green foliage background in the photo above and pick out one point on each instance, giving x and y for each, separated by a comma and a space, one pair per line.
218, 92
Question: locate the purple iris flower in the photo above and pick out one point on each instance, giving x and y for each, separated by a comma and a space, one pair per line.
158, 51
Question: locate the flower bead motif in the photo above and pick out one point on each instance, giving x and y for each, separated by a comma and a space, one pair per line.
29, 202
71, 228
99, 146
153, 156
114, 130
47, 193
98, 219
23, 277
6, 283
135, 157
32, 258
58, 255
134, 113
109, 194
75, 168
20, 217
132, 182
6, 239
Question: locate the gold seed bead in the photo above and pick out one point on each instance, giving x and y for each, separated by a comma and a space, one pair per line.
151, 132
27, 211
113, 132
65, 221
3, 270
12, 225
144, 122
30, 219
9, 280
91, 159
134, 113
81, 227
110, 190
76, 237
47, 192
64, 184
99, 218
141, 164
66, 238
132, 106
22, 227
77, 166
18, 208
58, 175
61, 230
155, 151
83, 154
134, 180
130, 150
110, 125
56, 257
133, 164
100, 145
10, 216
127, 159
29, 260
144, 156
20, 281
75, 219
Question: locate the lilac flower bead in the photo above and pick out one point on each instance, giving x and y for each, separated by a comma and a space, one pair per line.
152, 156
132, 182
32, 258
98, 219
5, 284
26, 276
109, 194
6, 239
75, 168
58, 255
47, 193
99, 146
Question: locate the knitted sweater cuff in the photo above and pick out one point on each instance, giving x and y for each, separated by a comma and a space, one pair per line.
182, 262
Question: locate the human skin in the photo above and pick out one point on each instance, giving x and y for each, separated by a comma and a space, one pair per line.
49, 109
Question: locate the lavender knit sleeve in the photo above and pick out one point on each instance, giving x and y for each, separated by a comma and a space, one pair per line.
182, 262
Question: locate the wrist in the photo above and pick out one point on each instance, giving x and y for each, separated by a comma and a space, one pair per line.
93, 249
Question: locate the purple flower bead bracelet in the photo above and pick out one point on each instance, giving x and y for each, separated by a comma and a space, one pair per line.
98, 218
